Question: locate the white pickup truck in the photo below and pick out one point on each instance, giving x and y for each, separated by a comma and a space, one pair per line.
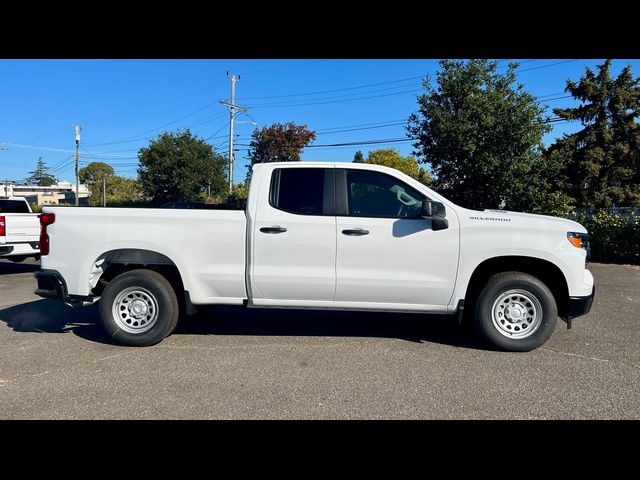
19, 230
320, 236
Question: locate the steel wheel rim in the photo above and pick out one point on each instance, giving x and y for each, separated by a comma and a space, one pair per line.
516, 314
135, 310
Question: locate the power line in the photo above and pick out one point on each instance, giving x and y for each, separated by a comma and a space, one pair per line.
66, 164
360, 142
357, 87
156, 102
321, 100
321, 132
334, 101
362, 124
209, 120
548, 95
362, 128
218, 131
548, 65
138, 136
557, 98
334, 90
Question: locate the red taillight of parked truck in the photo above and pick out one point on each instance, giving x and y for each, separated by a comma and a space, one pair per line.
3, 228
45, 219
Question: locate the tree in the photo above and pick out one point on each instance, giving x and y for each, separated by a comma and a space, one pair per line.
91, 175
40, 176
238, 197
358, 157
179, 166
120, 191
94, 172
391, 157
279, 143
479, 134
545, 188
603, 159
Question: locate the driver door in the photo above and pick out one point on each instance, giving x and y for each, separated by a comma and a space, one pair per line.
386, 253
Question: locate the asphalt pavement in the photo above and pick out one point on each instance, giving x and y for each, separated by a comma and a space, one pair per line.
234, 363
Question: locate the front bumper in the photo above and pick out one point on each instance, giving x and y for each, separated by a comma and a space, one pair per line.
579, 306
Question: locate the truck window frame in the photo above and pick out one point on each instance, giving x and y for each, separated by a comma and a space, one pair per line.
342, 194
328, 192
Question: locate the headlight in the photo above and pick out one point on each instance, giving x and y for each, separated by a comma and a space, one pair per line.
579, 240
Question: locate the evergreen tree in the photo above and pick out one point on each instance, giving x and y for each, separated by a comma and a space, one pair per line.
603, 159
40, 175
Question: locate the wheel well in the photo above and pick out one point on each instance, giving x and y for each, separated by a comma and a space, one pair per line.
116, 262
544, 270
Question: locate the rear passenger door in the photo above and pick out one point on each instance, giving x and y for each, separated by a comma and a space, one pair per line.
294, 236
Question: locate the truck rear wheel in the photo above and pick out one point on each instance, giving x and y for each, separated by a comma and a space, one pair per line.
139, 308
515, 312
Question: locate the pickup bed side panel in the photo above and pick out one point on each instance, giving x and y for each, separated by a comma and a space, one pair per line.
207, 246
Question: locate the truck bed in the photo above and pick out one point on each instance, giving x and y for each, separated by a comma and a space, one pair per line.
207, 246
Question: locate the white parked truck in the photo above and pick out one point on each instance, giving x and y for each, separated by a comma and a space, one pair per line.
19, 230
320, 236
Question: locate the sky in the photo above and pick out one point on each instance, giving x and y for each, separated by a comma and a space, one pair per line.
121, 104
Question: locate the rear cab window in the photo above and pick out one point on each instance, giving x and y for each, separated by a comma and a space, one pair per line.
13, 206
302, 191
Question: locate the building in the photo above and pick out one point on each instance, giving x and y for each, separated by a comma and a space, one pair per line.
56, 194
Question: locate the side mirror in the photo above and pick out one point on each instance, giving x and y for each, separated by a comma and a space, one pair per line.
435, 212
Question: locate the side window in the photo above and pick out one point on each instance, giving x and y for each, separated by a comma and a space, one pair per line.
299, 190
375, 194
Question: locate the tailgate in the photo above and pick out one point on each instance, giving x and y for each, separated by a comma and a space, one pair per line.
22, 227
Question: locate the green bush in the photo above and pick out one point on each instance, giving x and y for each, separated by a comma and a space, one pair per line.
613, 238
237, 200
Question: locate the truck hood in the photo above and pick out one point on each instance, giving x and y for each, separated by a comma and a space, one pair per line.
561, 223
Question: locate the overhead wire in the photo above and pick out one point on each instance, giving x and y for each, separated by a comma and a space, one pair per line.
140, 135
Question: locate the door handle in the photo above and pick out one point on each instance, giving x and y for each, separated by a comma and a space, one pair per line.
274, 229
356, 232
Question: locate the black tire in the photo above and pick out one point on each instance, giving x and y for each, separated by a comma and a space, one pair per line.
496, 286
156, 288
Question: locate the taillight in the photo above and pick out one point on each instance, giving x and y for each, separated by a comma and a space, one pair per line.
3, 229
45, 219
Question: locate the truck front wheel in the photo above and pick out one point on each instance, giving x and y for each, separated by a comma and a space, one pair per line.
516, 312
139, 308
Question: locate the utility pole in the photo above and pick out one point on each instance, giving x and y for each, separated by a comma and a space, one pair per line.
77, 180
104, 191
232, 115
6, 180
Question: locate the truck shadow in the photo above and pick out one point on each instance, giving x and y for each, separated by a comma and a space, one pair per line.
49, 316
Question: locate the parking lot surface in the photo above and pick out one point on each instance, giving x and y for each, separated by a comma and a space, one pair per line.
234, 363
